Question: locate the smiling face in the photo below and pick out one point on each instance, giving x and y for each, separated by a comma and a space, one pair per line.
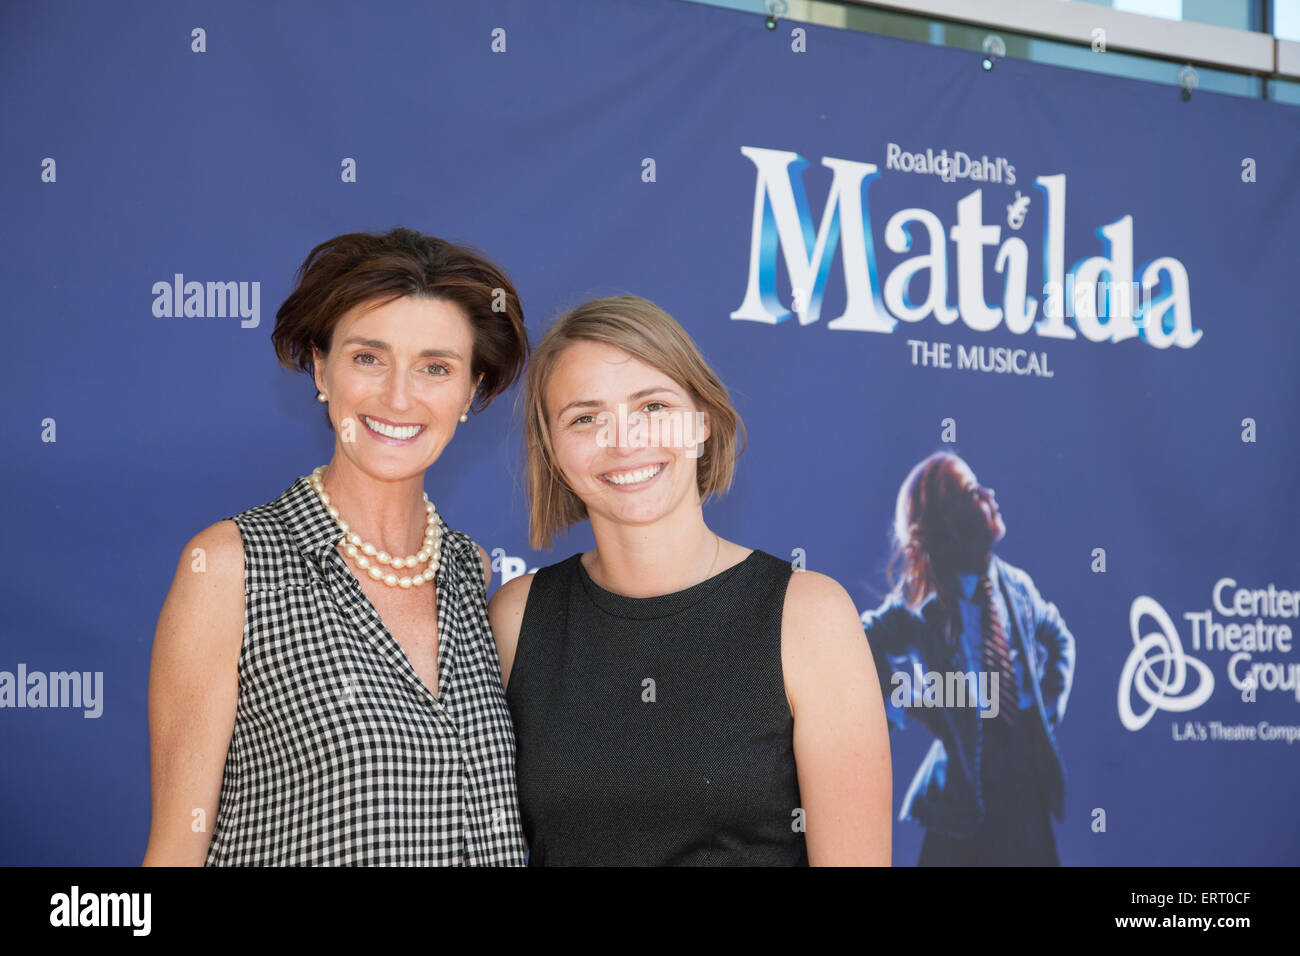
624, 475
398, 379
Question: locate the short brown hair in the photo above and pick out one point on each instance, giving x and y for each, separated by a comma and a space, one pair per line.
649, 334
360, 267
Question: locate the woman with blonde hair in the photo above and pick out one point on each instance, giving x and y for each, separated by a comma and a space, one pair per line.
677, 698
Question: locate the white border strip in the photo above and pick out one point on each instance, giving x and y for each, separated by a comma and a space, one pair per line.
1183, 40
1288, 58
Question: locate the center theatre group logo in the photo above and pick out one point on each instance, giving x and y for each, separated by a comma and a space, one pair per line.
1157, 668
1161, 672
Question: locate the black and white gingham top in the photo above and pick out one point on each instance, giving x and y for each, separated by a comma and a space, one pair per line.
340, 754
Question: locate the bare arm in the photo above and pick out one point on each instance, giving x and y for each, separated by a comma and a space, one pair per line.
506, 614
193, 690
841, 743
487, 568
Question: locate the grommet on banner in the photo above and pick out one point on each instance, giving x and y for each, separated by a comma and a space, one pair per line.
1188, 79
993, 48
775, 10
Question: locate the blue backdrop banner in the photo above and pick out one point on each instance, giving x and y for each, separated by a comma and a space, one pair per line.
1078, 283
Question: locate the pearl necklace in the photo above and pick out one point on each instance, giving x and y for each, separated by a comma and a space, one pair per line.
363, 552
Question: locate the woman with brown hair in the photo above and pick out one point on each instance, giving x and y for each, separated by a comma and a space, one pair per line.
677, 698
325, 691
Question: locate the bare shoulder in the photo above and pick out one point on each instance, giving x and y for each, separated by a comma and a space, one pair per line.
487, 566
821, 635
506, 615
207, 591
212, 561
816, 599
514, 593
193, 690
201, 626
506, 609
841, 743
223, 537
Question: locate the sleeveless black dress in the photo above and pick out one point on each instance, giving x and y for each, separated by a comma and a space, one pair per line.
656, 731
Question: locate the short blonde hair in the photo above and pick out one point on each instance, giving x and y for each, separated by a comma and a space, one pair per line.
652, 336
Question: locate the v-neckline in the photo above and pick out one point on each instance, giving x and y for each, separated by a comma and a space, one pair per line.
392, 649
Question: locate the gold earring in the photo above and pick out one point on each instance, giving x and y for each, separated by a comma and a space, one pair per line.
320, 397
